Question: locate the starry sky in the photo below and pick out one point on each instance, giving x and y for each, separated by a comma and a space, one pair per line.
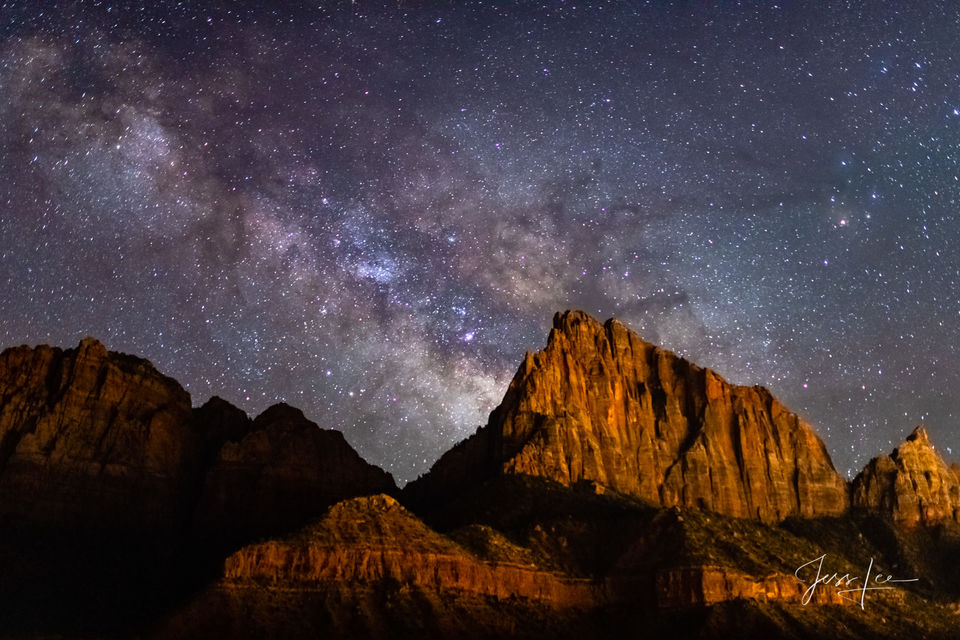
370, 211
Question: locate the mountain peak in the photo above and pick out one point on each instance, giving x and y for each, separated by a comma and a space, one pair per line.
913, 485
565, 320
281, 412
599, 404
919, 434
279, 474
89, 342
84, 431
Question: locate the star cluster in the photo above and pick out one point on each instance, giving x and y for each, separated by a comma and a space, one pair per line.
372, 211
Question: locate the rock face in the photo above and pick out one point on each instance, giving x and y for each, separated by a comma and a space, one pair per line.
282, 473
371, 569
706, 585
599, 404
913, 485
99, 442
92, 440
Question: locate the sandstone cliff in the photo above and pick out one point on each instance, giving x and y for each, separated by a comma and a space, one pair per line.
97, 441
282, 473
599, 404
117, 498
371, 569
373, 539
92, 440
684, 587
912, 486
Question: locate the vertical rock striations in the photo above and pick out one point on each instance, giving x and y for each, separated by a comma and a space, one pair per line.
912, 486
599, 404
105, 470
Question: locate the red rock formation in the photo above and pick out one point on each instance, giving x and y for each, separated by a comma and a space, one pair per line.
374, 539
92, 440
707, 585
599, 404
913, 485
284, 472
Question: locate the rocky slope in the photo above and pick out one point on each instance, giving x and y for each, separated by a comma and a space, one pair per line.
912, 486
688, 587
96, 440
369, 568
599, 404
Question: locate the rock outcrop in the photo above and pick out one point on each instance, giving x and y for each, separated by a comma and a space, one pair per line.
92, 440
98, 442
117, 498
282, 473
599, 404
374, 539
912, 486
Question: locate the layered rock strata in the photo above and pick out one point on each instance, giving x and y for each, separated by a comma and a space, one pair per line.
374, 539
708, 585
93, 441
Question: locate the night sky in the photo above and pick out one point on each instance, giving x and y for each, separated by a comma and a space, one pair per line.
371, 211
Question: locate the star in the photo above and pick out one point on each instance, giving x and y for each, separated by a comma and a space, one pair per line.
290, 203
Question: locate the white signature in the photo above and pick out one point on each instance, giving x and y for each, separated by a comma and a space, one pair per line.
880, 582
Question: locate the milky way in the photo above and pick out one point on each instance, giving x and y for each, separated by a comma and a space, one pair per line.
371, 212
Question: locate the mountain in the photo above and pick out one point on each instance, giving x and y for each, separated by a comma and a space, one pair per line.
535, 559
349, 574
912, 486
617, 491
600, 405
116, 496
283, 472
98, 441
93, 441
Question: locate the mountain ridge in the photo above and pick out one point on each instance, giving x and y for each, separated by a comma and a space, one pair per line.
616, 486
